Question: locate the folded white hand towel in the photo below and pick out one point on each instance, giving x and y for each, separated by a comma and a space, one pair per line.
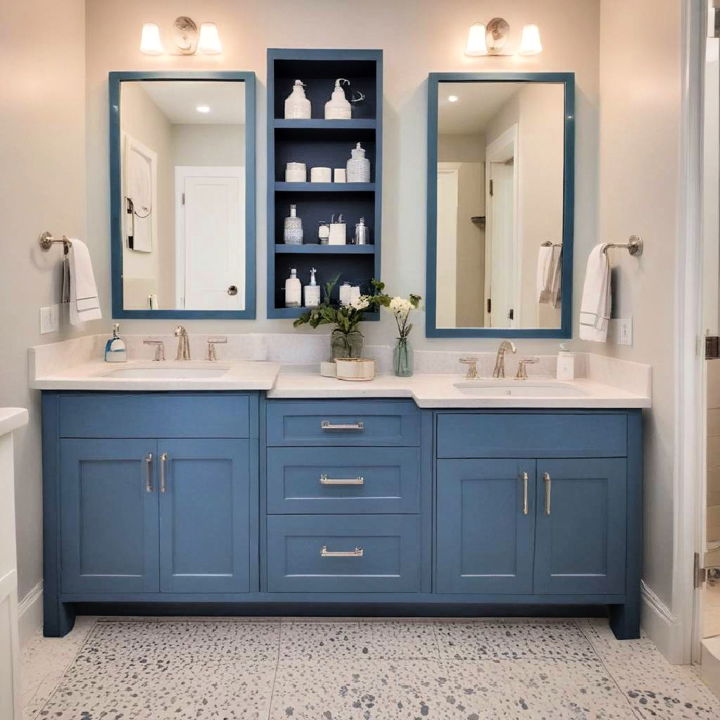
549, 274
84, 302
596, 297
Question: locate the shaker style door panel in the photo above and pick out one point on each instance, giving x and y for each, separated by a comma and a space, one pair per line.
581, 526
109, 516
485, 526
204, 489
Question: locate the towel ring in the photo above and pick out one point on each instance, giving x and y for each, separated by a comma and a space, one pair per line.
47, 240
634, 246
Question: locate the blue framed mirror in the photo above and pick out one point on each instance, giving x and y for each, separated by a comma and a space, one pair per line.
182, 183
500, 204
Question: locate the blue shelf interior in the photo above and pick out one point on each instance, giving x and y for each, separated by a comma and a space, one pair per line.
323, 143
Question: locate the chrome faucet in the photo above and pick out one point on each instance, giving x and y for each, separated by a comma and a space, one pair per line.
211, 343
499, 371
472, 371
159, 349
522, 367
183, 350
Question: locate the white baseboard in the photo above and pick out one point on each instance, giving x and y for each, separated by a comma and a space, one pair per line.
30, 614
661, 626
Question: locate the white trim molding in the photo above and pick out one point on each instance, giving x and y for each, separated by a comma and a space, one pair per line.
30, 614
661, 626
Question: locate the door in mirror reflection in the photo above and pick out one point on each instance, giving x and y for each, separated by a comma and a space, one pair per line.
183, 191
500, 202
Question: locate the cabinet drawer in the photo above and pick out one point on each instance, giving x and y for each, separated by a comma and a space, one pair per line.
343, 553
510, 435
160, 415
343, 422
343, 480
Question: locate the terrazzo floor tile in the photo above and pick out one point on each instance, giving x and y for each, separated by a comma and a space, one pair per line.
512, 639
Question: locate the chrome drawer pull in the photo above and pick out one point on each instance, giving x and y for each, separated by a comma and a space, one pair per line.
548, 492
356, 553
525, 493
327, 425
163, 465
325, 480
148, 472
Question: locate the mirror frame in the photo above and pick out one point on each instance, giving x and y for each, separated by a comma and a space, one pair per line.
565, 329
115, 83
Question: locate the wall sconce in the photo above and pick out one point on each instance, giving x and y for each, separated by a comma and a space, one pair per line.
187, 39
491, 39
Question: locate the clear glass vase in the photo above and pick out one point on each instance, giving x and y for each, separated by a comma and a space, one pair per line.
346, 344
403, 358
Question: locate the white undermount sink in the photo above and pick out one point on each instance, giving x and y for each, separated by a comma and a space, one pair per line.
519, 388
167, 373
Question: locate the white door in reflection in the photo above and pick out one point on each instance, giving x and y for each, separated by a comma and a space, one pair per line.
210, 236
501, 251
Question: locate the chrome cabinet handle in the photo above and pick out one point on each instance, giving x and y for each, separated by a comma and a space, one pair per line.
148, 472
548, 492
163, 466
328, 426
356, 553
525, 479
325, 480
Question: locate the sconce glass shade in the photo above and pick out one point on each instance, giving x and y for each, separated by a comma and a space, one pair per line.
530, 42
209, 42
150, 43
476, 43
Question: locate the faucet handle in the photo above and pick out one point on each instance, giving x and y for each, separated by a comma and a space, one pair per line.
211, 343
522, 367
471, 362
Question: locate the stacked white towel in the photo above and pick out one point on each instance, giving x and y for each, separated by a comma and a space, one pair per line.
596, 297
549, 273
84, 301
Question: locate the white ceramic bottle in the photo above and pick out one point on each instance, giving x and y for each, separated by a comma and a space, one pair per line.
297, 106
312, 291
293, 290
358, 166
293, 230
338, 107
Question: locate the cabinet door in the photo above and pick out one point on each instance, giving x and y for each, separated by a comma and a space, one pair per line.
205, 510
109, 516
485, 526
581, 526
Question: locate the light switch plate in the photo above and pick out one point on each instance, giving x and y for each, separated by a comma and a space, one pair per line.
621, 331
49, 319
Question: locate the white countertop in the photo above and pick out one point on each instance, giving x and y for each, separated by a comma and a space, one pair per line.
288, 381
12, 419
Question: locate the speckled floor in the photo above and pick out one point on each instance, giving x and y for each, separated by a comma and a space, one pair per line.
298, 669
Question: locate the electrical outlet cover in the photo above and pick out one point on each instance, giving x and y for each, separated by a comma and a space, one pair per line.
49, 319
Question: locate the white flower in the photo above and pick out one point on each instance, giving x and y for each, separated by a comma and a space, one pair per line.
400, 307
360, 303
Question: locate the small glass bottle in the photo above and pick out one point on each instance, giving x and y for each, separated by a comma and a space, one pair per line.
293, 232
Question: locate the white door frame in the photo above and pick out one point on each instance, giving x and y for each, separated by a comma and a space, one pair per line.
452, 169
495, 152
182, 172
688, 482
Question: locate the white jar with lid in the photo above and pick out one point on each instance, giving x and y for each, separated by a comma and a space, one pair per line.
358, 166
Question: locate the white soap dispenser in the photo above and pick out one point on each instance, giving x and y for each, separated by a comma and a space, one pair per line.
293, 290
312, 291
565, 364
115, 347
297, 106
358, 166
338, 107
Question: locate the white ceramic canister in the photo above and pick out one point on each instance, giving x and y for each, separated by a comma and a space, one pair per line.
338, 232
355, 369
339, 175
358, 166
345, 293
295, 172
320, 175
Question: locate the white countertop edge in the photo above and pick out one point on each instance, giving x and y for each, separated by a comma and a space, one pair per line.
12, 418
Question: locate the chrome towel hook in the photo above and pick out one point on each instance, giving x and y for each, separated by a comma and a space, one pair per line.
47, 240
634, 246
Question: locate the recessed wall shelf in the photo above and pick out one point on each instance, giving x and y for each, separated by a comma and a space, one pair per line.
323, 143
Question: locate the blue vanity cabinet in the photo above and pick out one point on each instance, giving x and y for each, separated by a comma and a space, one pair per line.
485, 526
580, 541
204, 492
108, 515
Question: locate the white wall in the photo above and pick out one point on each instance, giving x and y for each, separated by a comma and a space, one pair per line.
432, 39
42, 187
640, 113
